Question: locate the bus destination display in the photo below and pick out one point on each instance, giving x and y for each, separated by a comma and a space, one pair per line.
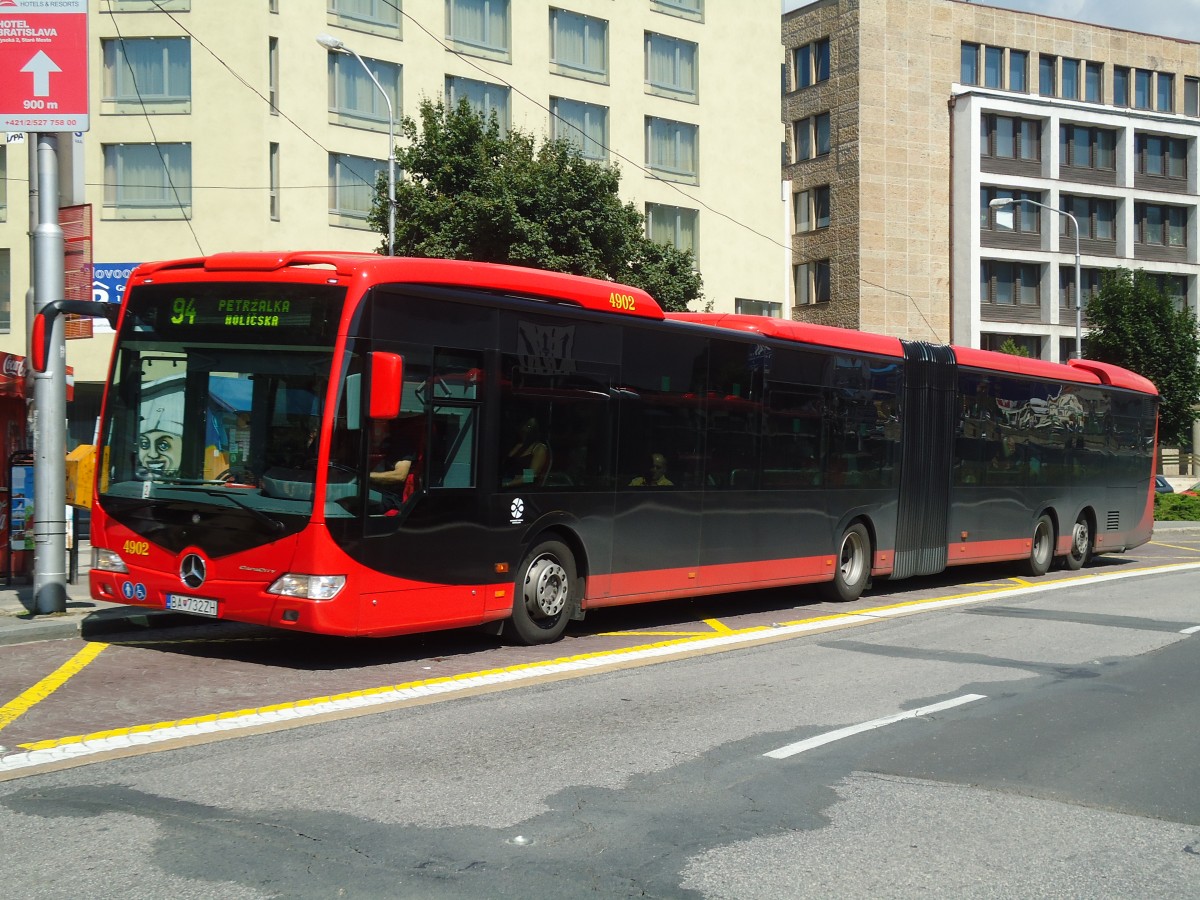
252, 312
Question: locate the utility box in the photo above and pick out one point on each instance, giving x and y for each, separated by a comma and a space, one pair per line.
81, 471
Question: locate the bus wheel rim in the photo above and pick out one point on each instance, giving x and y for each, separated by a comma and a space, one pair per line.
851, 561
1080, 538
546, 588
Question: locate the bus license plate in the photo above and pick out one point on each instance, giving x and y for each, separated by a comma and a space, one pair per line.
199, 606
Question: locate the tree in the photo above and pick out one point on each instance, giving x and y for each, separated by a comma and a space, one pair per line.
1134, 324
470, 191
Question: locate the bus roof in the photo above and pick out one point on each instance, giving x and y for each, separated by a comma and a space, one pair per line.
800, 332
587, 293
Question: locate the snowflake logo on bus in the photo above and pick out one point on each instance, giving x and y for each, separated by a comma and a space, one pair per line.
517, 511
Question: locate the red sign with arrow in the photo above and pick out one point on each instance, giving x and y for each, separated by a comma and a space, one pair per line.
43, 65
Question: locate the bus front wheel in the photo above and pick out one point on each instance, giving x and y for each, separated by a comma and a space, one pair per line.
1080, 553
1041, 550
543, 602
853, 566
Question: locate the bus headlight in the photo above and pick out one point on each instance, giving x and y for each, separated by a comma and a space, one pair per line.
107, 560
310, 587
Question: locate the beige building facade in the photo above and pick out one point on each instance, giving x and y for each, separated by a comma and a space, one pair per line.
222, 124
906, 118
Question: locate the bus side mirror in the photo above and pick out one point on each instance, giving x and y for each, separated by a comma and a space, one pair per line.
387, 381
43, 325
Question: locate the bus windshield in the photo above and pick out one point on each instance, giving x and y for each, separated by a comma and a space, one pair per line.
217, 387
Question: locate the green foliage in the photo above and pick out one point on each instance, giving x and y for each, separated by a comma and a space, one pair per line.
470, 191
1012, 348
1176, 508
1135, 325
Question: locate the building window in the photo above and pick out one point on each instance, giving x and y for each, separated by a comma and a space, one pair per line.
368, 15
352, 181
1030, 343
1005, 137
812, 209
152, 181
1165, 157
673, 147
273, 75
671, 65
688, 9
811, 63
1191, 96
273, 174
1164, 90
1161, 225
674, 226
1174, 286
584, 125
150, 5
485, 98
1141, 88
1070, 78
812, 282
1094, 86
1018, 70
1009, 284
1047, 75
579, 43
1097, 218
993, 67
811, 137
353, 97
1020, 217
969, 69
148, 72
1120, 85
1088, 148
1066, 287
758, 308
479, 25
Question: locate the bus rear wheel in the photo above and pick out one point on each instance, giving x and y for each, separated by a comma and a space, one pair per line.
543, 601
1080, 553
853, 566
1041, 550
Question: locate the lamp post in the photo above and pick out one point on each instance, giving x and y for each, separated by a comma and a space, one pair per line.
329, 42
1000, 203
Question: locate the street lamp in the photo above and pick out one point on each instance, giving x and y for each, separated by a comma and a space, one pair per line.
329, 42
1000, 203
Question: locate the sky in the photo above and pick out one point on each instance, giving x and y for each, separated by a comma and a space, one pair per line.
1170, 18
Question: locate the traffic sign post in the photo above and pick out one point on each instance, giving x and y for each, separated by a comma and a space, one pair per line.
43, 65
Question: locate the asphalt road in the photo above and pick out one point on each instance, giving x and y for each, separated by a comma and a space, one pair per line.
1058, 760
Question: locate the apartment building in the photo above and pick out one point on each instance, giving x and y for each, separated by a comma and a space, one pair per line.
907, 118
223, 124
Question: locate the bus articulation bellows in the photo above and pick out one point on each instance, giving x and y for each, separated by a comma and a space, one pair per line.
352, 444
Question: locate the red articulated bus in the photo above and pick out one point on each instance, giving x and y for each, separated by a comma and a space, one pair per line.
359, 445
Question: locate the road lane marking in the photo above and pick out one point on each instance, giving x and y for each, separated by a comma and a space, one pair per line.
1176, 547
28, 699
830, 736
121, 741
1191, 630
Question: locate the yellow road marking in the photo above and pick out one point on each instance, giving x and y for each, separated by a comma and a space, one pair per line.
1021, 581
1176, 547
718, 626
48, 685
613, 654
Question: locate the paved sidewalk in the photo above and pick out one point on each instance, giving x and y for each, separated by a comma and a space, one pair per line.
19, 624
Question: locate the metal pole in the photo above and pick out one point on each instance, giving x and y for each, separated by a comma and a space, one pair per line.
391, 197
49, 398
1078, 295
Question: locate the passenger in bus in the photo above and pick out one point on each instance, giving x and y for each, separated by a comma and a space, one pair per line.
529, 458
657, 476
400, 456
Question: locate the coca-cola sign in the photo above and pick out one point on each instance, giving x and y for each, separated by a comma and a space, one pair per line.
12, 366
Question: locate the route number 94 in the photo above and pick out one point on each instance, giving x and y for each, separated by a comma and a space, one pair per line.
137, 548
623, 302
